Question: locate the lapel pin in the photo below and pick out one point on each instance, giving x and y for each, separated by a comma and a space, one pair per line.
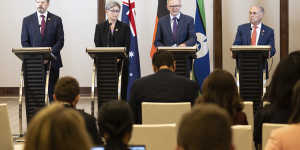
49, 19
117, 30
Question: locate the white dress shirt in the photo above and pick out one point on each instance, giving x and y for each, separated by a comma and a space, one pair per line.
40, 18
171, 17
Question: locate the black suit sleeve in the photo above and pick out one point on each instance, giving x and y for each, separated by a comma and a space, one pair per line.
25, 39
97, 36
135, 105
159, 35
191, 37
127, 38
92, 128
59, 44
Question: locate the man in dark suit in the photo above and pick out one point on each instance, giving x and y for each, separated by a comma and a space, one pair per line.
163, 86
255, 32
67, 92
176, 29
44, 29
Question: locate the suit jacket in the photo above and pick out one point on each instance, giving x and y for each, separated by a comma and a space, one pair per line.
266, 37
53, 35
185, 31
285, 138
120, 37
90, 124
163, 86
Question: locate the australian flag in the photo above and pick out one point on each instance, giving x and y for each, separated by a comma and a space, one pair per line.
128, 16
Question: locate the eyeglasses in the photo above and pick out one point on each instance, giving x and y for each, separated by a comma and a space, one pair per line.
114, 11
174, 6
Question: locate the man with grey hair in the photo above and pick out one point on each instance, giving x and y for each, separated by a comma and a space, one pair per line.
206, 127
255, 32
175, 29
44, 29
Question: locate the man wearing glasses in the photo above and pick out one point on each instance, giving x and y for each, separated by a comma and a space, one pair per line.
175, 29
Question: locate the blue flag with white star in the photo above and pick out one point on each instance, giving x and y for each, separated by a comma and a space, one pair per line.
128, 16
201, 64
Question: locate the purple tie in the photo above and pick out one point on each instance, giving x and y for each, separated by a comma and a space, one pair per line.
174, 27
43, 24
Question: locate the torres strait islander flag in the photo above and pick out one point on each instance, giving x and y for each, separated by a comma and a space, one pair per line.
128, 16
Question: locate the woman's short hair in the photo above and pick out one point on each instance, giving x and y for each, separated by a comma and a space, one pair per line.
59, 128
220, 88
110, 4
115, 119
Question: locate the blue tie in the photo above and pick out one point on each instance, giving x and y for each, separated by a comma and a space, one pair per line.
174, 28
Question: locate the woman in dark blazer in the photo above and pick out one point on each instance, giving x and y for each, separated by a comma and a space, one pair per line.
114, 33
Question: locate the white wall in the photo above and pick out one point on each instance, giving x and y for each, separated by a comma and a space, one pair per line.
79, 19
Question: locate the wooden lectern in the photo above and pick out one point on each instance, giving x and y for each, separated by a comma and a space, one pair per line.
108, 63
35, 77
251, 62
184, 57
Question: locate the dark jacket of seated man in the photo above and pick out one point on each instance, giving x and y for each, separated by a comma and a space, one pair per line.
67, 92
162, 86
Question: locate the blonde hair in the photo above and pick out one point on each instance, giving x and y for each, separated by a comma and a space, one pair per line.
59, 128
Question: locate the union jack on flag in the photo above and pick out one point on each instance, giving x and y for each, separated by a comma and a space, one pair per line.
128, 16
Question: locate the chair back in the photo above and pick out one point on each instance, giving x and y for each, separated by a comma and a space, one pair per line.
242, 137
248, 110
154, 136
163, 113
6, 140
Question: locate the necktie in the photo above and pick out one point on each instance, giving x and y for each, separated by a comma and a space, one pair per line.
43, 25
253, 37
174, 27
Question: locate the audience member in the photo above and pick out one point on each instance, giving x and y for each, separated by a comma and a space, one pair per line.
206, 127
162, 86
287, 138
115, 121
57, 128
220, 88
67, 91
286, 75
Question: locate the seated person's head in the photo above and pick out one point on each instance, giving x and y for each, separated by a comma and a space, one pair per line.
67, 90
115, 121
285, 76
220, 88
57, 128
206, 127
163, 60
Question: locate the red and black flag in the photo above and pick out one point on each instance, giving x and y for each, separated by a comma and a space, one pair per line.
161, 11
